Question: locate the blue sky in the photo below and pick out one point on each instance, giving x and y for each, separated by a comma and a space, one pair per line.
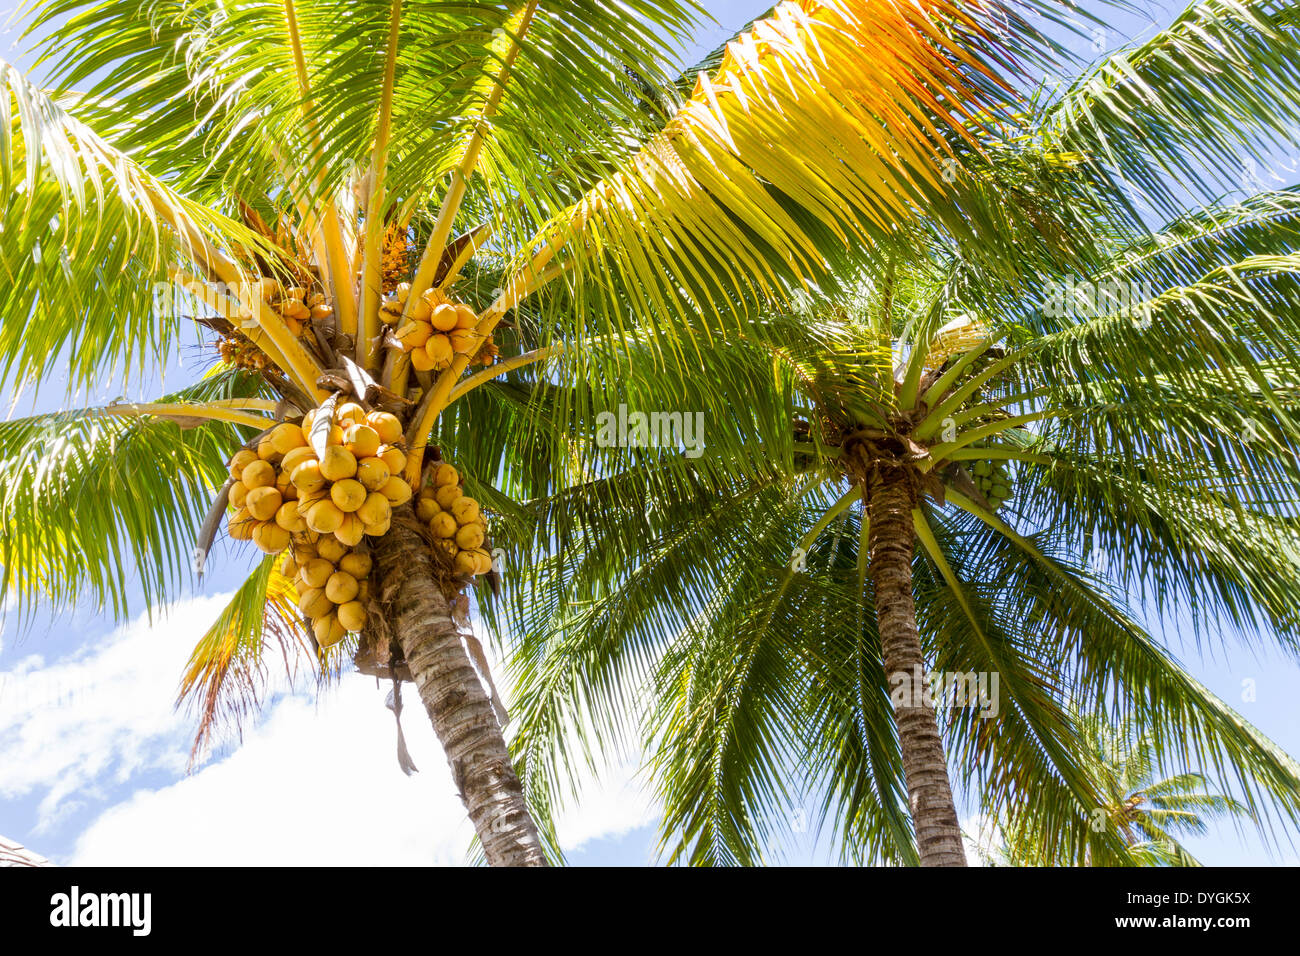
93, 755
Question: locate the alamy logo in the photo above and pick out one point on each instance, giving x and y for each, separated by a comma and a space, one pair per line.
656, 429
1104, 297
102, 909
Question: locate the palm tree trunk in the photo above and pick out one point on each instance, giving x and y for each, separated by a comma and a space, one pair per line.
454, 697
891, 496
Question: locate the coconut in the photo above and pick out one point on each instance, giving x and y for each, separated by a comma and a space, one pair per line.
465, 562
386, 425
445, 474
380, 529
331, 549
341, 587
465, 509
394, 458
447, 496
357, 564
349, 494
448, 545
352, 615
443, 525
439, 350
241, 459
466, 317
238, 494
469, 537
313, 602
324, 516
426, 508
241, 525
287, 517
338, 463
397, 491
307, 477
420, 310
296, 457
329, 630
258, 474
443, 317
316, 572
350, 413
286, 438
375, 509
266, 450
262, 503
465, 341
270, 537
373, 473
362, 441
484, 561
420, 360
351, 531
413, 335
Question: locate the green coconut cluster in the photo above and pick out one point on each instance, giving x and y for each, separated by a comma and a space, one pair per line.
993, 480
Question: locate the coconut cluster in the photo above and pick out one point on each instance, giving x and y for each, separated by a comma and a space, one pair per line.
437, 330
239, 351
333, 585
456, 521
994, 481
323, 506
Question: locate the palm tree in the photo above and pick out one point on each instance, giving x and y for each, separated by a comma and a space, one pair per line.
977, 468
357, 200
1150, 810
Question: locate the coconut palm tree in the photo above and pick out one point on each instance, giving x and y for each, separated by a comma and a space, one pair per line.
357, 201
1149, 809
964, 472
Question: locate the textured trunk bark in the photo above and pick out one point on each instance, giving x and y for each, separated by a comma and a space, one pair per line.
454, 697
890, 499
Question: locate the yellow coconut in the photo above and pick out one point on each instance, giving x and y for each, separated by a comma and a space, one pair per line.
238, 494
328, 630
296, 457
420, 360
420, 310
270, 537
362, 441
350, 413
286, 437
241, 525
338, 463
397, 491
386, 425
394, 458
484, 561
448, 546
356, 564
240, 460
375, 509
445, 474
426, 508
443, 525
289, 568
307, 423
465, 562
289, 519
379, 529
308, 499
465, 509
439, 349
262, 503
324, 516
341, 587
331, 549
258, 474
266, 450
466, 317
465, 341
413, 335
316, 572
307, 477
352, 615
349, 494
351, 531
373, 473
314, 603
443, 317
335, 436
469, 537
447, 496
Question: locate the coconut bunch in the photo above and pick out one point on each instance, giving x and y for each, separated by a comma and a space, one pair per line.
437, 330
296, 305
240, 352
333, 584
993, 480
457, 523
395, 261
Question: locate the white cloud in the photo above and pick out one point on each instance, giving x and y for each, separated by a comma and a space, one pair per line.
316, 781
